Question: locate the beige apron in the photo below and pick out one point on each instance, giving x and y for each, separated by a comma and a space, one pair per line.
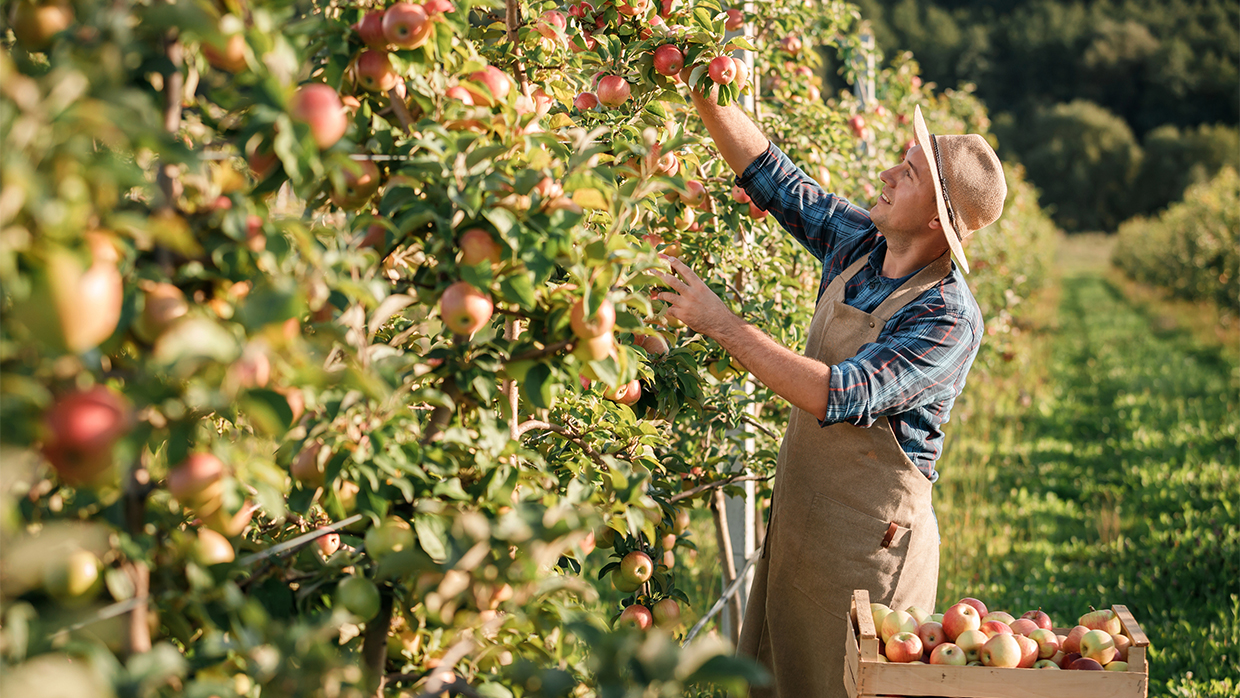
849, 510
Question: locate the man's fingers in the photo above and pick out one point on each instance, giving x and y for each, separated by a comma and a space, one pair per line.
671, 281
681, 268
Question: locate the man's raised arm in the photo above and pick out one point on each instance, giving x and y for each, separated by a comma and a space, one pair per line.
736, 136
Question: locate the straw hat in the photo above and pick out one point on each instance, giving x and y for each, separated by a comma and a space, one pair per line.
968, 183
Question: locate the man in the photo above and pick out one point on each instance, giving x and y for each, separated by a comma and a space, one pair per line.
894, 334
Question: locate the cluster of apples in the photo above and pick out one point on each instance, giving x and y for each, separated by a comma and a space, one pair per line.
968, 634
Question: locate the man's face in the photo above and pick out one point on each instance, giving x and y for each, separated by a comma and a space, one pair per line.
906, 206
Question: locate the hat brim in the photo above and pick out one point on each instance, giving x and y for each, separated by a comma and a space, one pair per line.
922, 135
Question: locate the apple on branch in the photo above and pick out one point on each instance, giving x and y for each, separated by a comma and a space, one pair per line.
465, 309
406, 25
319, 107
636, 616
613, 91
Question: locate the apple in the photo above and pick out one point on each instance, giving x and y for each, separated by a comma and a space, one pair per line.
392, 535
1085, 664
358, 596
86, 303
755, 212
460, 94
319, 107
857, 124
406, 25
903, 647
435, 9
80, 431
581, 10
309, 467
879, 611
632, 8
596, 325
1106, 620
949, 654
1065, 661
328, 543
1048, 642
551, 24
971, 641
1024, 626
655, 344
739, 195
931, 635
489, 86
668, 60
918, 613
667, 7
636, 567
228, 56
791, 44
636, 616
1098, 646
960, 618
936, 618
680, 523
213, 548
374, 71
34, 24
605, 536
198, 480
231, 522
1122, 643
1001, 651
742, 73
75, 578
1072, 643
736, 20
1117, 665
585, 101
694, 193
464, 309
623, 585
897, 622
595, 348
722, 69
162, 304
613, 91
370, 30
1045, 664
1001, 616
361, 181
666, 613
994, 627
626, 394
477, 246
1029, 651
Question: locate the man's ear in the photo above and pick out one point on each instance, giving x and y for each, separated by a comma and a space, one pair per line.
936, 224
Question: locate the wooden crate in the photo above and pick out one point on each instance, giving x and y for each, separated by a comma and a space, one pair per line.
865, 676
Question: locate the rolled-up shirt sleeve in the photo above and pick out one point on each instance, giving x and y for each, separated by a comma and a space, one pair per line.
921, 361
824, 223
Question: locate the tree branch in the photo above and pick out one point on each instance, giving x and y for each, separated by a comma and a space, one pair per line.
535, 354
532, 424
512, 20
689, 494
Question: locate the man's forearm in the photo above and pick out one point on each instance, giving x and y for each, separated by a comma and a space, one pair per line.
738, 139
798, 379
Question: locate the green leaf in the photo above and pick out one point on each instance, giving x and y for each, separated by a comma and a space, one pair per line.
519, 289
537, 387
431, 531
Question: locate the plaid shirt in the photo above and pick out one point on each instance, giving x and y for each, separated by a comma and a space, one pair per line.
915, 369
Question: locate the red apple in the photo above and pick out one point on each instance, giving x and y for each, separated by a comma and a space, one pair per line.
328, 543
791, 44
1048, 642
626, 394
1072, 643
655, 345
722, 70
309, 467
971, 641
585, 101
740, 196
981, 607
460, 94
228, 54
613, 91
1122, 643
668, 60
374, 71
1023, 626
370, 30
994, 627
197, 481
319, 106
666, 613
1098, 646
496, 82
361, 181
667, 7
81, 428
960, 618
897, 622
581, 10
551, 24
632, 8
1029, 651
903, 647
1001, 651
406, 25
636, 567
477, 246
636, 616
931, 635
598, 324
742, 73
694, 193
465, 309
1066, 661
948, 654
1102, 620
755, 212
857, 124
435, 9
736, 20
1086, 664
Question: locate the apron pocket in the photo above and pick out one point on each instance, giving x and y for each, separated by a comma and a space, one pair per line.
841, 550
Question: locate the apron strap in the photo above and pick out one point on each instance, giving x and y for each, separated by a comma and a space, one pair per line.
928, 277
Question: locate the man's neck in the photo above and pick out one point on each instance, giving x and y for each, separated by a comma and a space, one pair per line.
905, 256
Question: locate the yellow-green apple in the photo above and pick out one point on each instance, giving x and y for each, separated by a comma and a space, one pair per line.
1045, 664
465, 309
361, 181
666, 613
605, 536
1023, 626
370, 29
1086, 664
80, 430
1029, 651
198, 481
87, 302
722, 69
995, 627
1048, 642
1072, 642
226, 53
1102, 620
1001, 651
597, 324
879, 611
1117, 665
623, 585
392, 535
1039, 617
971, 641
162, 304
213, 548
1098, 646
694, 193
358, 596
903, 647
1001, 616
496, 82
897, 622
976, 603
477, 246
319, 107
636, 616
309, 467
328, 543
595, 348
35, 23
374, 71
73, 579
1122, 643
918, 613
736, 20
936, 617
960, 618
668, 60
406, 25
613, 91
931, 634
636, 567
949, 654
226, 519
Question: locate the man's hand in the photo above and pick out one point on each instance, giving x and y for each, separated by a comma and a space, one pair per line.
692, 302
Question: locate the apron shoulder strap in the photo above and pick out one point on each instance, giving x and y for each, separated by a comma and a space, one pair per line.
930, 275
845, 276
